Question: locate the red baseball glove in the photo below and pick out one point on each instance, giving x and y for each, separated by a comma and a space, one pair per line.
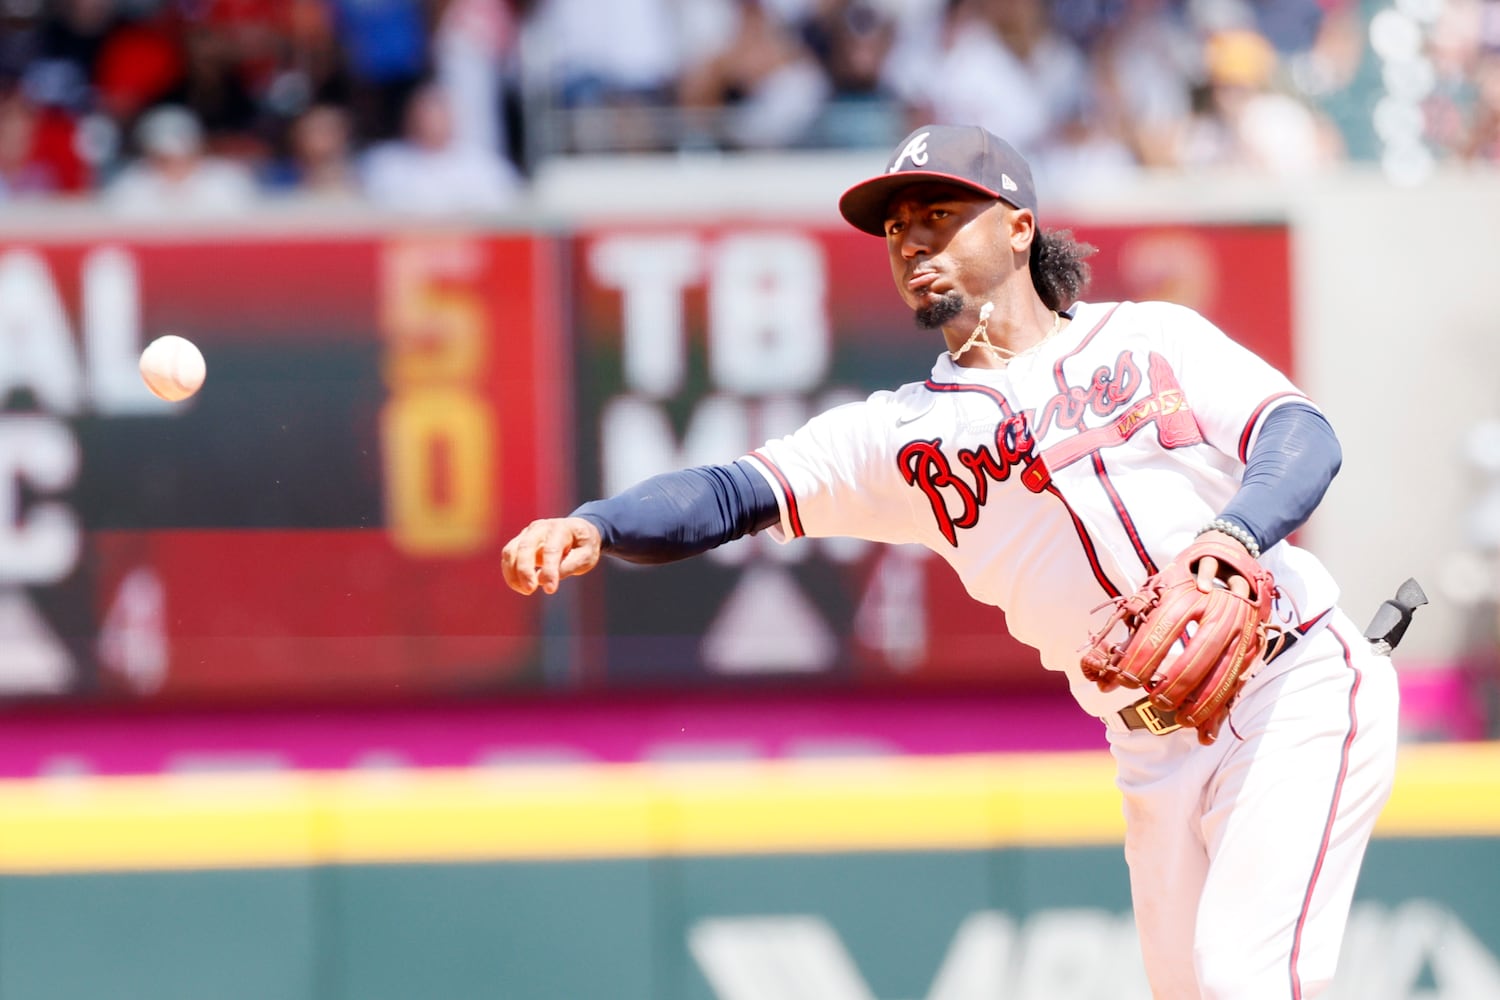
1223, 628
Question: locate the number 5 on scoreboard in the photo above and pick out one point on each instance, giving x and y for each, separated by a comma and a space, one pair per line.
436, 429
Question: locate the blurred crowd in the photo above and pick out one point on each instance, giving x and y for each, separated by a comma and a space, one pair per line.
449, 105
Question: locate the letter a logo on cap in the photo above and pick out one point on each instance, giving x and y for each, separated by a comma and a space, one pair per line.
916, 150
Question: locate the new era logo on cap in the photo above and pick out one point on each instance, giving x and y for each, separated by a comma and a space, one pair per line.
966, 155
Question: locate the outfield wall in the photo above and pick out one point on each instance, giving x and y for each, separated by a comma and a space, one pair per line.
950, 878
388, 401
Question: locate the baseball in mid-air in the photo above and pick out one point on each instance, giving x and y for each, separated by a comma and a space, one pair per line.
173, 367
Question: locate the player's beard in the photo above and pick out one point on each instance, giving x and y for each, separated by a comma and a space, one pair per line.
945, 309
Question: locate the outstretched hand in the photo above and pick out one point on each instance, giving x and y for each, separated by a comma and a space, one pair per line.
548, 550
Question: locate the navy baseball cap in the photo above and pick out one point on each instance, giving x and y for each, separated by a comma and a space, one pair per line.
966, 155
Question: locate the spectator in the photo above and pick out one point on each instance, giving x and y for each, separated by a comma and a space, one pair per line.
21, 39
139, 62
1145, 66
1484, 136
610, 67
429, 172
217, 90
385, 44
20, 174
314, 63
1141, 57
473, 55
1330, 63
1086, 152
1291, 26
71, 40
762, 89
320, 161
1451, 107
174, 175
853, 40
1244, 122
999, 64
38, 151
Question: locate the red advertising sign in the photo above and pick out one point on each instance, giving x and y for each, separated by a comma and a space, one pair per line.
697, 344
324, 518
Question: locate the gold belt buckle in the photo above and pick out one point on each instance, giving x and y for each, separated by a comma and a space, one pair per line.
1153, 720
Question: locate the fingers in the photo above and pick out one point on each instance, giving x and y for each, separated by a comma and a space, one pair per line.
523, 560
555, 543
547, 551
584, 552
518, 560
1208, 570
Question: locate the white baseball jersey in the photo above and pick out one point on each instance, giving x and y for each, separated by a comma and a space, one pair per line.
1059, 481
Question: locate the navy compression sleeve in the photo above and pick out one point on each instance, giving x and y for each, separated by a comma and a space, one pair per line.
681, 514
1294, 459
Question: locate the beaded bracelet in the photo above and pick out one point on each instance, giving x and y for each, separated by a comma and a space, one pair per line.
1236, 532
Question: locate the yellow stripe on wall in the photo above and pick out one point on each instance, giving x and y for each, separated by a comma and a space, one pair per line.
636, 810
1445, 789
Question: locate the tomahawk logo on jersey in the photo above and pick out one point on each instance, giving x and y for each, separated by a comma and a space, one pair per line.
1089, 462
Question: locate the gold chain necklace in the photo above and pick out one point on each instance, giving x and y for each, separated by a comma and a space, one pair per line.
1004, 354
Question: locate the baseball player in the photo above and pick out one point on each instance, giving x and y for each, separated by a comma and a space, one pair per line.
1120, 478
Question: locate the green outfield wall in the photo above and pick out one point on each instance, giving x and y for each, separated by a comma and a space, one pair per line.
934, 878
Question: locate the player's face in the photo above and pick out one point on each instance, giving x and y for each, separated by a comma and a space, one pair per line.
948, 249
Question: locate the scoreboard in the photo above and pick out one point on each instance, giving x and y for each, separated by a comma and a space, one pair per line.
325, 517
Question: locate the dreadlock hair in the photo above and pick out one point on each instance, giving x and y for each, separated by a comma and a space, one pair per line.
1059, 267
